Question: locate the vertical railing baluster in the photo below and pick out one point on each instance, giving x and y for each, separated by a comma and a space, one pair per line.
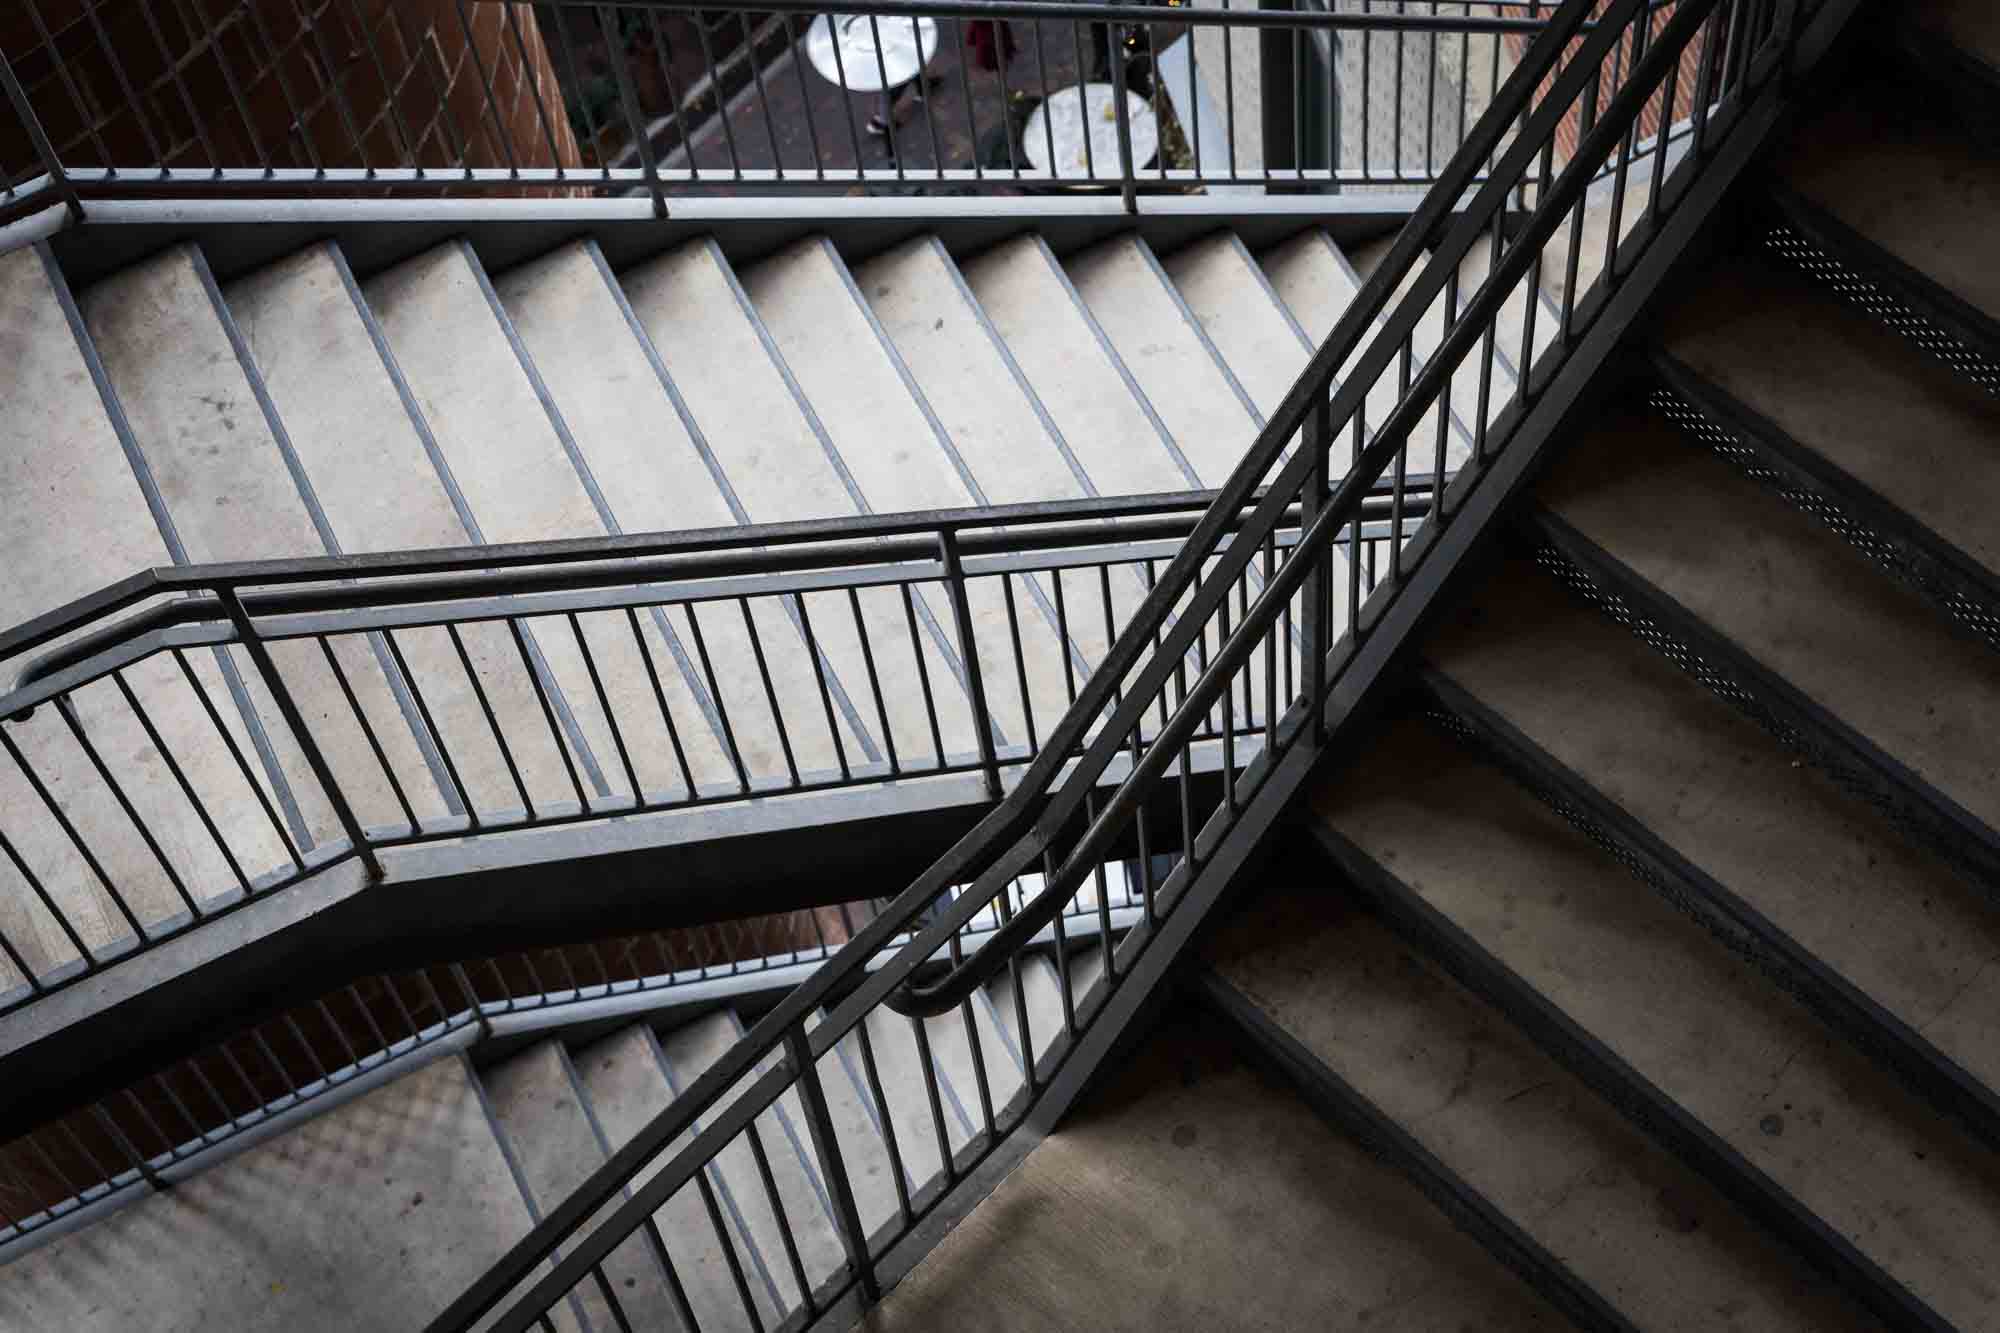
260, 657
628, 99
1127, 172
819, 1121
38, 137
968, 651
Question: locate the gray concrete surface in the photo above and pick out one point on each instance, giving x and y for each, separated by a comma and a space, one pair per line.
1648, 1235
1296, 1226
1908, 1189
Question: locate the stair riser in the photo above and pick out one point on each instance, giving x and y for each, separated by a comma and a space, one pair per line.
1762, 1199
1899, 1049
1900, 795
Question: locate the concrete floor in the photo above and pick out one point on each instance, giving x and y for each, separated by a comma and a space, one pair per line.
1194, 1193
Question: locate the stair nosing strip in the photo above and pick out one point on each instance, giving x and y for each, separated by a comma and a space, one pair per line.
711, 710
1860, 1020
1014, 370
1975, 329
1780, 449
940, 641
1152, 262
163, 522
295, 467
1270, 291
1118, 365
1348, 1111
1863, 756
1660, 1117
938, 432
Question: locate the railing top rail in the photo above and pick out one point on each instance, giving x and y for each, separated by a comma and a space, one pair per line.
1085, 12
448, 573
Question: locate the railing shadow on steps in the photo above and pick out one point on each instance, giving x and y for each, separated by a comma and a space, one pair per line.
1359, 395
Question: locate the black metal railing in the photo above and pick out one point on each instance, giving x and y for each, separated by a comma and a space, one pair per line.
244, 98
1144, 709
197, 738
179, 1118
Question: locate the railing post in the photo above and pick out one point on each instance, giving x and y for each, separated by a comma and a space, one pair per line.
629, 99
267, 670
968, 651
44, 150
1127, 172
1317, 587
827, 1149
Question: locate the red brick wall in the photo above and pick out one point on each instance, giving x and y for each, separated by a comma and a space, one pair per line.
288, 83
1616, 70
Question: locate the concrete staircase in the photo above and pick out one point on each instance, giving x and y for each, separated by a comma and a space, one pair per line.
375, 1214
1647, 935
304, 409
1662, 919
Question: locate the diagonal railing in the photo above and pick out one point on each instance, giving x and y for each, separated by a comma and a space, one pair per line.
1235, 602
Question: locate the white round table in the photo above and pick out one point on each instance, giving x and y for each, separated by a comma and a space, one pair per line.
904, 51
1070, 122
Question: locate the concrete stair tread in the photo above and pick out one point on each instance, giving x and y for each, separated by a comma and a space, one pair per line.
1048, 330
1793, 596
1825, 868
506, 456
363, 450
1160, 342
1241, 314
961, 365
1297, 1228
1041, 994
686, 1053
858, 1130
261, 1241
373, 486
1309, 278
645, 471
1909, 1191
896, 1060
1648, 1235
1315, 273
1510, 328
1920, 193
228, 492
1853, 392
896, 457
765, 445
540, 1113
64, 445
626, 1086
73, 520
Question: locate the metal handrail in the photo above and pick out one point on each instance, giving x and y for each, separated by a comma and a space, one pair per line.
540, 599
1056, 817
343, 144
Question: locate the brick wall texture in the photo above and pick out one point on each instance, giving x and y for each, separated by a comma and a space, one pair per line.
286, 83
